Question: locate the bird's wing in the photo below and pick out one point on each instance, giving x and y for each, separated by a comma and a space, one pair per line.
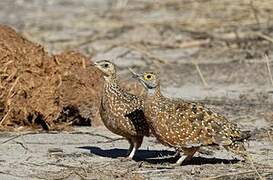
133, 102
138, 119
134, 112
201, 126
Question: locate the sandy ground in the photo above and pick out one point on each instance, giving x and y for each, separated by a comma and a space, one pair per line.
94, 153
205, 51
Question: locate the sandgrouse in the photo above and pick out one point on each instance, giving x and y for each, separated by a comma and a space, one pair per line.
187, 126
121, 112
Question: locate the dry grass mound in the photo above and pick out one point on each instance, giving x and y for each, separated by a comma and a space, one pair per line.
38, 90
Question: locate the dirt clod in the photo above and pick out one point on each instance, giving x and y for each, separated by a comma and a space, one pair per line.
40, 90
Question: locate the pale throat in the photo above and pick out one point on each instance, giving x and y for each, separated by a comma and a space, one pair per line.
151, 92
107, 79
110, 79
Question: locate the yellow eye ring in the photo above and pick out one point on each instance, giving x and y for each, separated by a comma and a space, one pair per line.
148, 77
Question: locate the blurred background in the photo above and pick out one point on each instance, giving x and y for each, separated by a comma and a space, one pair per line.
203, 48
223, 41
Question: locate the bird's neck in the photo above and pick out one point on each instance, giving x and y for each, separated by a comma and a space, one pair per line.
154, 93
151, 92
151, 102
111, 79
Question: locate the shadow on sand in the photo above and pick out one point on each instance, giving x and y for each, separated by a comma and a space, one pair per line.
155, 156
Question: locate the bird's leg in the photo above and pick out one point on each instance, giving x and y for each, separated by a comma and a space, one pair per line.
130, 151
187, 155
181, 160
131, 155
137, 141
177, 153
130, 148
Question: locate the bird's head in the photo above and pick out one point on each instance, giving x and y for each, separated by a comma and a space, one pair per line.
107, 68
148, 79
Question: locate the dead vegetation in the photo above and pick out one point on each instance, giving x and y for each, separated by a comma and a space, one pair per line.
38, 89
52, 92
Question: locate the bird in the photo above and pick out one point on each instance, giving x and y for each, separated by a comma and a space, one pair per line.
121, 112
185, 125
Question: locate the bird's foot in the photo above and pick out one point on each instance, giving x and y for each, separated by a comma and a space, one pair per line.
177, 154
124, 159
183, 159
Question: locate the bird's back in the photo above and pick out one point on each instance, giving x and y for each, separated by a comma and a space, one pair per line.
180, 123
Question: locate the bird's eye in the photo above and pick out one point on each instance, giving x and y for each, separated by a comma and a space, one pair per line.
148, 76
106, 65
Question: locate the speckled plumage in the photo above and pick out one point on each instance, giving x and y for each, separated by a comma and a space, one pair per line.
122, 112
186, 126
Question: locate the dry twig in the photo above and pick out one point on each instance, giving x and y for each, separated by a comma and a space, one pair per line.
266, 37
95, 134
5, 117
14, 137
83, 63
255, 12
270, 137
229, 175
148, 54
183, 45
201, 75
23, 145
268, 68
13, 86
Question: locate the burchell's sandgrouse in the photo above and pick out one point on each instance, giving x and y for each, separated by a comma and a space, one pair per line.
121, 112
185, 125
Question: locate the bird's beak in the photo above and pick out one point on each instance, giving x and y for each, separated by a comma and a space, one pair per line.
138, 77
94, 64
135, 75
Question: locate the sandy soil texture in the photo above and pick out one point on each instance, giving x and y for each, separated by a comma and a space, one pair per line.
207, 51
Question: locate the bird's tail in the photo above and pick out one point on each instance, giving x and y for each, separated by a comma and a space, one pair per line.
244, 135
238, 148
